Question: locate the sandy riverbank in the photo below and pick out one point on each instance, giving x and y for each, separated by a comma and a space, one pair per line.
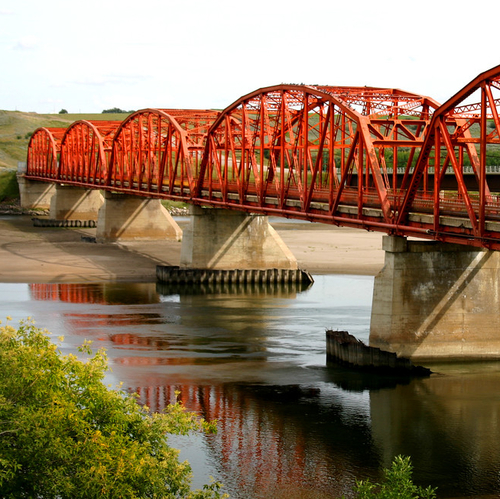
30, 254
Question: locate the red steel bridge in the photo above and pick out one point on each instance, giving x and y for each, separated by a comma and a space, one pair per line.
372, 158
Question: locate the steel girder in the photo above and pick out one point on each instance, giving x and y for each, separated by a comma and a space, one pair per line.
157, 152
328, 154
464, 134
85, 151
43, 153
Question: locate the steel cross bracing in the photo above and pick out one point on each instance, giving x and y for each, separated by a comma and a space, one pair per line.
373, 158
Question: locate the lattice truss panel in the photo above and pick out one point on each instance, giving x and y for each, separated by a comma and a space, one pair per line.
43, 153
85, 151
158, 151
463, 142
314, 151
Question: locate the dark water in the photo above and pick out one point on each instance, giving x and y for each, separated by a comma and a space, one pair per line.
289, 425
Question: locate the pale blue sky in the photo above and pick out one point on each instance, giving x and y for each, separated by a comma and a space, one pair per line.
86, 56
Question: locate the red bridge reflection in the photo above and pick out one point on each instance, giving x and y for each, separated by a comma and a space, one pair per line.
265, 432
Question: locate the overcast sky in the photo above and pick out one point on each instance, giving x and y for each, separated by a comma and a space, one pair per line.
86, 56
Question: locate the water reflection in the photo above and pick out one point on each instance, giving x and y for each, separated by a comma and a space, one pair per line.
108, 294
272, 288
449, 424
289, 425
277, 441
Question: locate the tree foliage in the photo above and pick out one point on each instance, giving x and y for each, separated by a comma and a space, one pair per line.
398, 484
64, 434
115, 110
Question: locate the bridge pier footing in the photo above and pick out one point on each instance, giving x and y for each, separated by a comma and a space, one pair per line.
125, 217
437, 301
222, 239
74, 203
35, 194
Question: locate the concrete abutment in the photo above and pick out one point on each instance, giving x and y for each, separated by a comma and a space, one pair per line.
35, 195
222, 239
437, 301
125, 217
75, 203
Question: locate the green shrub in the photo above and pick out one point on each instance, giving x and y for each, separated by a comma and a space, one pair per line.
9, 189
398, 484
64, 434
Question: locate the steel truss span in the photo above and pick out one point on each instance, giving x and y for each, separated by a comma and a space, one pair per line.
372, 158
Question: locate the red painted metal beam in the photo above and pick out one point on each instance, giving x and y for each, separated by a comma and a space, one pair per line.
85, 151
469, 141
321, 153
43, 153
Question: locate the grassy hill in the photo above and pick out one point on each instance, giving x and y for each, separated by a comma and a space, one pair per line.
16, 128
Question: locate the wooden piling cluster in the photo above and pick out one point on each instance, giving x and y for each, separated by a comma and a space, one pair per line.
286, 289
343, 348
48, 222
177, 275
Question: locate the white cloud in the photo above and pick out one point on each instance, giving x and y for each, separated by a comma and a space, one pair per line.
26, 43
203, 54
110, 79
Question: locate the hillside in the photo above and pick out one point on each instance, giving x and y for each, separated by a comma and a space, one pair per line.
16, 128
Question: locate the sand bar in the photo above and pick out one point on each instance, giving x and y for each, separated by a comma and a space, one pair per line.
33, 254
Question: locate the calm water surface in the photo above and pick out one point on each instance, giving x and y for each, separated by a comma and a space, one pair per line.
289, 425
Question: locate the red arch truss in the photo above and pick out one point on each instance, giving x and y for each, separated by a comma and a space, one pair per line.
85, 151
463, 137
329, 154
374, 158
43, 153
158, 151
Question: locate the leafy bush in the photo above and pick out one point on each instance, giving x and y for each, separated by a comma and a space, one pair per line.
9, 188
64, 434
398, 484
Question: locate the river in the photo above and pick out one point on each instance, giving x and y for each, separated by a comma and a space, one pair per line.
289, 425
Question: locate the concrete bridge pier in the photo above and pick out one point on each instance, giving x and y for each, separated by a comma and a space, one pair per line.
35, 194
437, 301
222, 239
125, 217
75, 203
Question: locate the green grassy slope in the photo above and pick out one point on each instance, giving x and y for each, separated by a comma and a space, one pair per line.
16, 125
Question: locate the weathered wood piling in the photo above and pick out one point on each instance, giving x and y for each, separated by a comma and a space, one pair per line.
344, 348
178, 275
49, 222
271, 289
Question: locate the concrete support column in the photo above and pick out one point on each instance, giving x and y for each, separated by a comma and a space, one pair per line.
437, 301
75, 203
225, 239
35, 194
128, 218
